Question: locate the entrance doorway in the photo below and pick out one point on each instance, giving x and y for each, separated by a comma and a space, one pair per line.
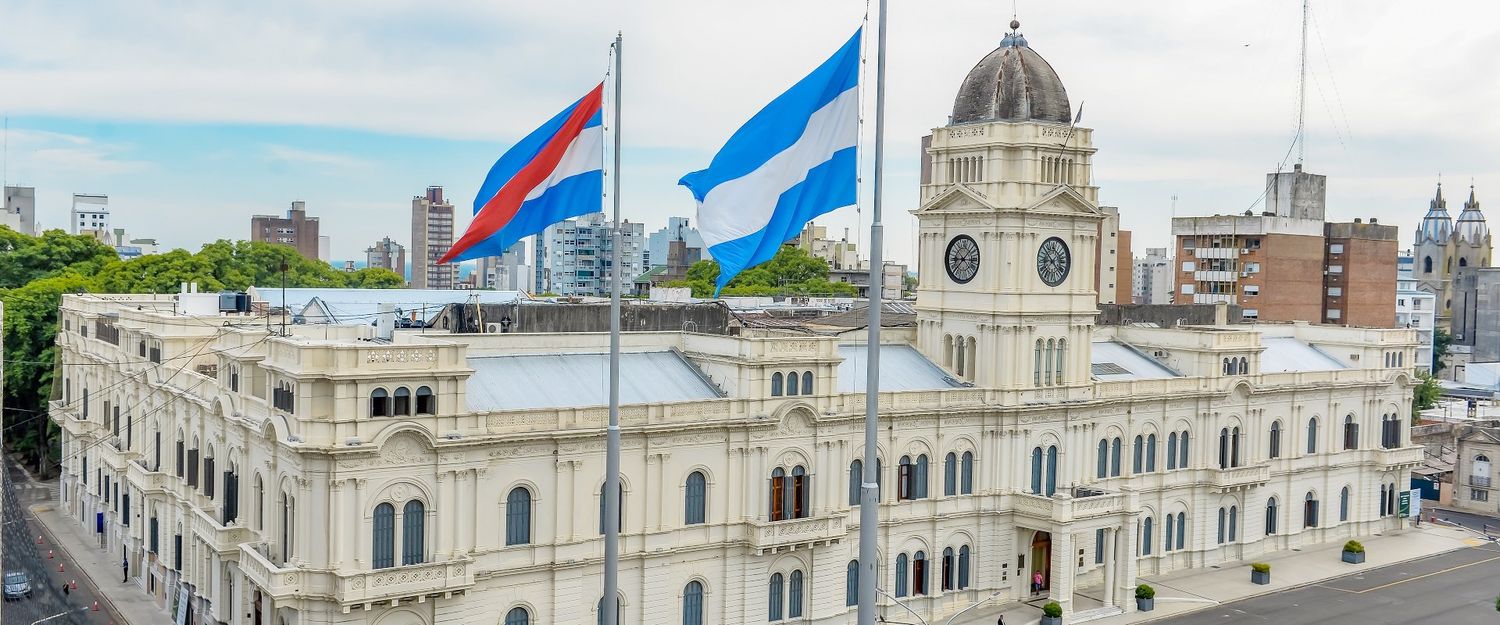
1041, 563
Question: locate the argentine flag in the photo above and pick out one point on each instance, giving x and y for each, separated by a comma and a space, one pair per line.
793, 161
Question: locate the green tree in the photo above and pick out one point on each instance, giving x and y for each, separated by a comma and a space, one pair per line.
1425, 394
30, 355
791, 272
375, 278
1440, 341
25, 258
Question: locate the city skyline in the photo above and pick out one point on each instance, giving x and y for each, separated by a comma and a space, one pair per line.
354, 146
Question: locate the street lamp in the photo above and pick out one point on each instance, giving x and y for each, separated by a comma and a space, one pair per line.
924, 621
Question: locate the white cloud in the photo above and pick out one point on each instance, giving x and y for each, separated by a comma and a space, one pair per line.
288, 154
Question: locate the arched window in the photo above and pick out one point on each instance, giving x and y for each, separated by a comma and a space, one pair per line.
517, 616
1181, 530
1244, 366
774, 597
518, 516
1312, 435
1036, 470
1271, 516
1234, 520
794, 596
1062, 356
807, 383
1309, 510
950, 474
1182, 452
901, 582
1351, 433
1234, 447
1171, 523
695, 501
1171, 451
1223, 449
1228, 367
426, 401
1382, 500
1046, 364
779, 494
851, 583
620, 513
1463, 262
402, 402
1276, 439
948, 572
413, 520
1344, 505
380, 403
919, 573
1146, 536
1151, 453
1051, 470
1427, 264
963, 567
920, 485
1102, 471
1223, 524
791, 384
856, 478
383, 537
776, 384
966, 474
692, 604
1114, 457
799, 488
1138, 454
1036, 365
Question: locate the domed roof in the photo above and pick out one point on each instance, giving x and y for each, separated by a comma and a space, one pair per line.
1471, 227
1437, 225
1012, 83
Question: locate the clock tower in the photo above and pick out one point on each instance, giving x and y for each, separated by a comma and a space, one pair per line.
1009, 228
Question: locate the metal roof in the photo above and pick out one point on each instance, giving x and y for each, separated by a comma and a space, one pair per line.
359, 306
564, 380
902, 368
1128, 363
1284, 354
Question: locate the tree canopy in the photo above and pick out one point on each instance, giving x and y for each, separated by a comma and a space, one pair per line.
36, 271
791, 272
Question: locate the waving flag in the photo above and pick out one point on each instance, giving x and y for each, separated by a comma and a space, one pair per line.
556, 172
793, 161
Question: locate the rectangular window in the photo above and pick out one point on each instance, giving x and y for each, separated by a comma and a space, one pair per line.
1250, 313
1335, 291
1188, 265
1252, 289
1187, 289
1335, 269
1334, 313
1336, 248
1479, 495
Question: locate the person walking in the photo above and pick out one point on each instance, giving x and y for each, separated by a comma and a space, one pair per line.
1001, 620
1036, 582
125, 569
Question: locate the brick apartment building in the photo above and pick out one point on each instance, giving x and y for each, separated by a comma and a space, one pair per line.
296, 229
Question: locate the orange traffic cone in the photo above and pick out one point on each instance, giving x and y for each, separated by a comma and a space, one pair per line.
59, 567
49, 554
73, 585
38, 539
96, 607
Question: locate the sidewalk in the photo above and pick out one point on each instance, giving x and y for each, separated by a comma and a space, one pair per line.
128, 600
1191, 590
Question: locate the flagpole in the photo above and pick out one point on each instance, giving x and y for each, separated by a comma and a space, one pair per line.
612, 452
869, 494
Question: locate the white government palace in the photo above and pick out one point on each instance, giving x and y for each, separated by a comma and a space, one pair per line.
355, 474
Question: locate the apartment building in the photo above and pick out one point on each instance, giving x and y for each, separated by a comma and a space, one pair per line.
387, 254
295, 230
90, 215
1416, 309
1153, 277
20, 210
573, 256
431, 236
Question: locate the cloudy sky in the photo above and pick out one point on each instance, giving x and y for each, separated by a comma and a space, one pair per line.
193, 116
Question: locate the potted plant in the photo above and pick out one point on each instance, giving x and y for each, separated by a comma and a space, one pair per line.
1145, 597
1260, 573
1354, 553
1051, 614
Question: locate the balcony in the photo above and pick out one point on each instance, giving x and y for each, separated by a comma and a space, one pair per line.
1399, 457
1482, 481
1235, 478
225, 540
443, 579
1065, 508
772, 536
272, 580
149, 482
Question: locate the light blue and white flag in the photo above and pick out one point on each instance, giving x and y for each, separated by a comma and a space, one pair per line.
793, 161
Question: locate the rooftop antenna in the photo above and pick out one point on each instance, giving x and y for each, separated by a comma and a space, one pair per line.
1302, 89
1174, 204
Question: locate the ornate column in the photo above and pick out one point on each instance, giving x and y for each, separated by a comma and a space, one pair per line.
362, 520
1064, 569
336, 506
1110, 558
446, 503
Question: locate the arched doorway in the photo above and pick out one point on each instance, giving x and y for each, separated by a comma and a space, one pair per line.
1041, 563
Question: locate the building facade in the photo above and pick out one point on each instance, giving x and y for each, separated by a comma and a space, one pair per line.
1443, 249
576, 261
1473, 483
679, 229
90, 214
296, 229
1153, 277
1417, 309
461, 474
387, 254
431, 236
1360, 260
509, 271
1475, 321
20, 210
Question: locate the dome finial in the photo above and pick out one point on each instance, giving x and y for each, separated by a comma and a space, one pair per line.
1015, 24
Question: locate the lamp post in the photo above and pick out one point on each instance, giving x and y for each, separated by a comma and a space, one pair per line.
924, 621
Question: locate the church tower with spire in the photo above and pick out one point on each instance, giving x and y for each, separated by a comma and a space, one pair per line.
1443, 249
1009, 222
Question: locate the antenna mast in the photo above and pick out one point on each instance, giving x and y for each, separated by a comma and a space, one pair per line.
1302, 89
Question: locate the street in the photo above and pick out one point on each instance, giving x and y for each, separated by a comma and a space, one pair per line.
23, 553
1455, 588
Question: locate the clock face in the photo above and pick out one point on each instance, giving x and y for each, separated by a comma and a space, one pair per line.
962, 259
1053, 261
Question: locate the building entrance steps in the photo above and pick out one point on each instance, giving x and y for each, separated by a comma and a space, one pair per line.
127, 599
1190, 590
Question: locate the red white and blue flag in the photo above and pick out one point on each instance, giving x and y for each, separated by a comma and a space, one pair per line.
556, 172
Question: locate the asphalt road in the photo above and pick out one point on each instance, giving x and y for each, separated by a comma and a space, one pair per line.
1455, 588
23, 553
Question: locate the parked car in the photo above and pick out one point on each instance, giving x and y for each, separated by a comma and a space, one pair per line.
17, 585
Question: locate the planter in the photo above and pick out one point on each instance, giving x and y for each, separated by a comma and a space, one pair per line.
1145, 605
1354, 557
1256, 577
1051, 620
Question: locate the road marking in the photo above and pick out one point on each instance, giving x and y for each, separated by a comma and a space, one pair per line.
1412, 579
